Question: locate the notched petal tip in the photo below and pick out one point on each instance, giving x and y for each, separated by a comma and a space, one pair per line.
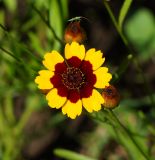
74, 49
95, 58
54, 100
93, 103
43, 80
51, 59
72, 110
103, 77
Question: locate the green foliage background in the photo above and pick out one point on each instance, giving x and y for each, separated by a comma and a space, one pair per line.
25, 35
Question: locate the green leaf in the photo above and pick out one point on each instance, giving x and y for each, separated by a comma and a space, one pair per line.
2, 21
11, 4
55, 20
140, 27
124, 11
70, 155
64, 7
35, 42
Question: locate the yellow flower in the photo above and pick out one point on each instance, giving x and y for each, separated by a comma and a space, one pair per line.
71, 82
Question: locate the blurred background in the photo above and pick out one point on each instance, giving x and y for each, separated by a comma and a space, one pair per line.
29, 129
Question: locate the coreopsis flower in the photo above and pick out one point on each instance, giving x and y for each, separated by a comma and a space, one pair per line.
71, 82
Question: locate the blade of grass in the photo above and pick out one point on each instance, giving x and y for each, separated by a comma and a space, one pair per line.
56, 21
64, 8
21, 46
123, 12
70, 155
18, 60
47, 23
11, 54
125, 131
131, 50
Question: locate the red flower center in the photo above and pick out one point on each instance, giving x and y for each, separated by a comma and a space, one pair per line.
74, 82
73, 78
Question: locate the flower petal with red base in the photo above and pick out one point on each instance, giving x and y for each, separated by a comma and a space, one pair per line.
74, 50
95, 58
72, 109
43, 80
103, 77
93, 103
54, 100
51, 59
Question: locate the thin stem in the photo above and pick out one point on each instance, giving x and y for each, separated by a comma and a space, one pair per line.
119, 138
21, 46
111, 113
10, 54
115, 22
23, 120
9, 109
2, 123
132, 52
3, 27
48, 25
122, 68
19, 61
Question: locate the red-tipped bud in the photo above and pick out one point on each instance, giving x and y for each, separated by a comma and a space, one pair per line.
111, 97
74, 32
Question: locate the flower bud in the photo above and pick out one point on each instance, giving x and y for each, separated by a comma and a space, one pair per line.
111, 97
74, 32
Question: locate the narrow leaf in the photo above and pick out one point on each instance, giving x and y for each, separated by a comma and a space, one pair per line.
124, 11
64, 7
55, 20
70, 155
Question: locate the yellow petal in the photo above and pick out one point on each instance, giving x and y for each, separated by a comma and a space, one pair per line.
74, 50
102, 77
72, 109
93, 103
51, 59
43, 80
95, 58
54, 100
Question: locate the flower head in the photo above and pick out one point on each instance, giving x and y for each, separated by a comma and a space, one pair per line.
71, 82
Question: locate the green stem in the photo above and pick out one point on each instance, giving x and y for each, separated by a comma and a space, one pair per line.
2, 123
70, 155
122, 68
132, 52
21, 46
117, 133
123, 128
115, 22
9, 109
10, 54
23, 120
18, 60
146, 84
5, 29
48, 25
